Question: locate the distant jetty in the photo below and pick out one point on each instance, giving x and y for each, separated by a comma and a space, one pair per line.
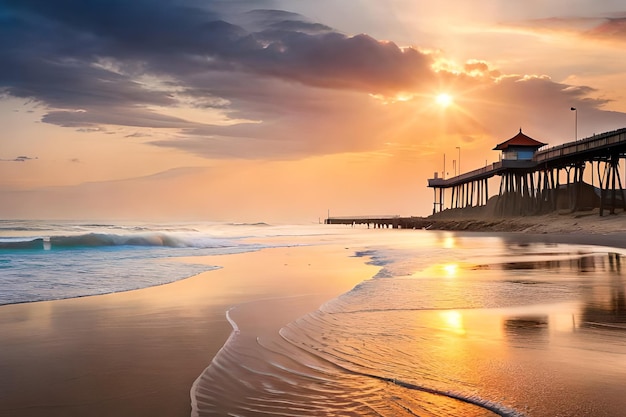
429, 223
554, 224
380, 222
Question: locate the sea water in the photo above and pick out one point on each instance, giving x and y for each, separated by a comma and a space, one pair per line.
452, 324
55, 260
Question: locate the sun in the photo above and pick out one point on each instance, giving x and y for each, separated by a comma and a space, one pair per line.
444, 100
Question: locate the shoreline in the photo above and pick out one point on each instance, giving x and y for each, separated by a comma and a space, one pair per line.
568, 228
566, 223
578, 227
139, 352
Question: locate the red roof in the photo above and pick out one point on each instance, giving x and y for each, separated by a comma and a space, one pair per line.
519, 140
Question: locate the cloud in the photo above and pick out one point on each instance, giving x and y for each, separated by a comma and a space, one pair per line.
272, 83
21, 158
115, 62
64, 39
138, 135
611, 29
259, 20
115, 115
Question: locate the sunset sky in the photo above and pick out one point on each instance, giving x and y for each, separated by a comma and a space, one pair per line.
280, 111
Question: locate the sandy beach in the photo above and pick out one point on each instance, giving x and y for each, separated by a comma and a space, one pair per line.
587, 222
137, 353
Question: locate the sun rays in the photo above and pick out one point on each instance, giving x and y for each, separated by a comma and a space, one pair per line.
444, 100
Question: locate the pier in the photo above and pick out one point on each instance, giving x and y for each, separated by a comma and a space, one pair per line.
377, 222
383, 222
530, 181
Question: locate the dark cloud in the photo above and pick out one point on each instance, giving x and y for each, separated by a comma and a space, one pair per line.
269, 72
95, 62
49, 50
121, 116
138, 135
260, 20
610, 29
606, 28
336, 61
21, 158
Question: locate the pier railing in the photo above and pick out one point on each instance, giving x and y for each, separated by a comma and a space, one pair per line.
596, 144
593, 144
486, 171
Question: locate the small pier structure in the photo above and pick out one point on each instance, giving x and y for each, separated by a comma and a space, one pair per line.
376, 222
531, 177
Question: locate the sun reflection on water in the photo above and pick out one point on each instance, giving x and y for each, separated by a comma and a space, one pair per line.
450, 270
449, 242
453, 321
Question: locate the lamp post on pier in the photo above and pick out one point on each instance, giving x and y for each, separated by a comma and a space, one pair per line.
575, 122
459, 163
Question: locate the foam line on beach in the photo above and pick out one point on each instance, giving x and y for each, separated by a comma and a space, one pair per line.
194, 386
494, 407
386, 310
232, 323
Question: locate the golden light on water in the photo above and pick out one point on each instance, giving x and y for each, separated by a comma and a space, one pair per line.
450, 270
453, 321
449, 242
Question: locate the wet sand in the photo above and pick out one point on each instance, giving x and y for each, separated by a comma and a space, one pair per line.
138, 353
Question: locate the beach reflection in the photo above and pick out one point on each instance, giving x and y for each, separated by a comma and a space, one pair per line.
605, 302
452, 321
469, 327
443, 270
449, 241
526, 326
601, 283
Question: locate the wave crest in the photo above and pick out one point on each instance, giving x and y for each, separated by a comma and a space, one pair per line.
155, 239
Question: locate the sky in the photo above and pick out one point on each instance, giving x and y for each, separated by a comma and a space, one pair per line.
286, 110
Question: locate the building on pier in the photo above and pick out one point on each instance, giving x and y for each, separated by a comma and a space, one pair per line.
530, 177
516, 185
519, 148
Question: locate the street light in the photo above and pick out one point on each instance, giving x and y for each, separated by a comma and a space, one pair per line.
459, 164
575, 122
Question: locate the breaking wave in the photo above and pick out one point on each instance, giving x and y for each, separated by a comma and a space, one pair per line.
152, 239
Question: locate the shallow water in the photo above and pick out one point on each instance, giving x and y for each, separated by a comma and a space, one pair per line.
452, 325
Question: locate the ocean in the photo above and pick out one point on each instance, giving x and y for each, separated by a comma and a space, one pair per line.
56, 260
452, 324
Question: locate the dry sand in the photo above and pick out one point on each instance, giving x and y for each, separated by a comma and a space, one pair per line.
137, 353
589, 222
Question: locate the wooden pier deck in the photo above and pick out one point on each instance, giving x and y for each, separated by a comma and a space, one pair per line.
382, 222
